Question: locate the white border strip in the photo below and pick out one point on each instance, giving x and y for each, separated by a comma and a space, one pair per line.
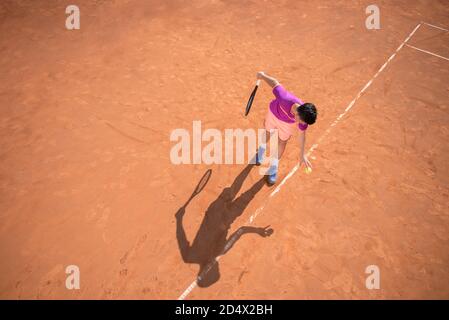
433, 26
194, 284
425, 51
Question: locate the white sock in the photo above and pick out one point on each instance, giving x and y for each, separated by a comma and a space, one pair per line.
261, 150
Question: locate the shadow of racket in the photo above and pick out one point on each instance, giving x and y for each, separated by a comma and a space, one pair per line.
200, 186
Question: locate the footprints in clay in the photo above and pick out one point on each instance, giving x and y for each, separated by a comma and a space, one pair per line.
52, 281
132, 252
99, 214
124, 273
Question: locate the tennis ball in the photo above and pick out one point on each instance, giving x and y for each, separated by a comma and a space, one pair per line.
308, 170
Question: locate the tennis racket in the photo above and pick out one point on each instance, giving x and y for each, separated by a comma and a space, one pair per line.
251, 98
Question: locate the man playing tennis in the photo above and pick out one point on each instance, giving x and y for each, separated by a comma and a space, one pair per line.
287, 114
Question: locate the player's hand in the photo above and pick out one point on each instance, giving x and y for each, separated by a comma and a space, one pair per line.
306, 162
266, 232
260, 75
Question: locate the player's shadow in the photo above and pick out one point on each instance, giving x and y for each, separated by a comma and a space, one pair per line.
212, 238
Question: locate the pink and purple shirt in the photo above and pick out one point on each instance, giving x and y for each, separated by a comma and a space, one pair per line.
281, 106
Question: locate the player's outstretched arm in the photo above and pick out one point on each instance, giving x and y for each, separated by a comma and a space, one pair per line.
272, 82
302, 155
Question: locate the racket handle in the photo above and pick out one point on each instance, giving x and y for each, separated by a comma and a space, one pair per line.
257, 82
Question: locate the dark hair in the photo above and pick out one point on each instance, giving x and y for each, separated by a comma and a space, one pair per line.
307, 112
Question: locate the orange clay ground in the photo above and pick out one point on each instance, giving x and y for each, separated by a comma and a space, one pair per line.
86, 178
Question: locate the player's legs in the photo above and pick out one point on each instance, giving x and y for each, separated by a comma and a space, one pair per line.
262, 147
273, 171
284, 132
281, 147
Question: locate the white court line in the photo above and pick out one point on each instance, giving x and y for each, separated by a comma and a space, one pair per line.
194, 284
425, 51
434, 26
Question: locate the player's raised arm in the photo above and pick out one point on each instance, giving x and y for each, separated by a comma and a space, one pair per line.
272, 82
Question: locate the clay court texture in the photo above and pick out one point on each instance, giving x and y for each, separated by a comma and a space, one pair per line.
85, 171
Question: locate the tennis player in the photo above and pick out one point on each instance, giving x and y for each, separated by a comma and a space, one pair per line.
288, 114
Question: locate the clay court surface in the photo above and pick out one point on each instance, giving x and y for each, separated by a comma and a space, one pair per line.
86, 178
